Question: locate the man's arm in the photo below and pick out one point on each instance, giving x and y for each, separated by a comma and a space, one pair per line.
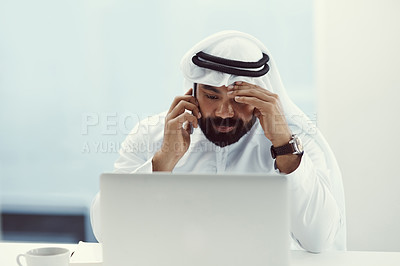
268, 109
153, 146
317, 219
288, 163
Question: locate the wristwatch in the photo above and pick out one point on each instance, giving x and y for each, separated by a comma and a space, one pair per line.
293, 147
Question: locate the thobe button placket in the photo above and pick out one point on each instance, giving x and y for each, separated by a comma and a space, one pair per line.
222, 156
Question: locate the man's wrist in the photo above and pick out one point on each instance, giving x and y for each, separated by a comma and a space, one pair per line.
287, 154
281, 140
288, 163
293, 146
162, 162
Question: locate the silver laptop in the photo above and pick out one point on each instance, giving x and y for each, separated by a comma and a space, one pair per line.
165, 219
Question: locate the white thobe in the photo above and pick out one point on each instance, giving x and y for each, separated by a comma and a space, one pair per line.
316, 218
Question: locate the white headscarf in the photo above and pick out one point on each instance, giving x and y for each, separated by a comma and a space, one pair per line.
240, 46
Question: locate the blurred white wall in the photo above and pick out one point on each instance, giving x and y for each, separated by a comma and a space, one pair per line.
358, 82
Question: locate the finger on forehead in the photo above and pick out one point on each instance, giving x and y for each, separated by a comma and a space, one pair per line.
246, 86
239, 82
260, 94
243, 83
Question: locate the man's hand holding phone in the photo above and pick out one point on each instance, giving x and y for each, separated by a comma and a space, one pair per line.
177, 130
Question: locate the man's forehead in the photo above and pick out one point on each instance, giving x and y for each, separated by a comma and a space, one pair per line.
212, 88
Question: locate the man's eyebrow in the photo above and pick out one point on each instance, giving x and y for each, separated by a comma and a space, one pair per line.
210, 88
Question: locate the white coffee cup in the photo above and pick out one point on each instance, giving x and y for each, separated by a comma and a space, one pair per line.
51, 256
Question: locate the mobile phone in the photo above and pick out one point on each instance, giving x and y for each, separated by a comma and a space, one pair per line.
194, 95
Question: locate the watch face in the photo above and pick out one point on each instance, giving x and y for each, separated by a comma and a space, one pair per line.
298, 145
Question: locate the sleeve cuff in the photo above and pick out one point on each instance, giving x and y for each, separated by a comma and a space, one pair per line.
302, 176
147, 167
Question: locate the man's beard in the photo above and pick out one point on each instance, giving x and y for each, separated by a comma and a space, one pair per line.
223, 139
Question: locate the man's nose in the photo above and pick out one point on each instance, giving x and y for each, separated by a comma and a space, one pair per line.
225, 110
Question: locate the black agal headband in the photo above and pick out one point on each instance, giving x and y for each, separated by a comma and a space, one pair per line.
233, 67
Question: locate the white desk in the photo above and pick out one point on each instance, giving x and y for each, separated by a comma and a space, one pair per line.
9, 251
348, 258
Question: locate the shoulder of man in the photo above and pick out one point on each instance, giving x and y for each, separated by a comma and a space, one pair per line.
149, 129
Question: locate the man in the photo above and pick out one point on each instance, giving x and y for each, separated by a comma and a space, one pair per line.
243, 121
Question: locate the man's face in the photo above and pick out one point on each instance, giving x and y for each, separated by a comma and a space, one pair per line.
223, 120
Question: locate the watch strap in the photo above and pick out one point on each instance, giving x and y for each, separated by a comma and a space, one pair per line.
282, 150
